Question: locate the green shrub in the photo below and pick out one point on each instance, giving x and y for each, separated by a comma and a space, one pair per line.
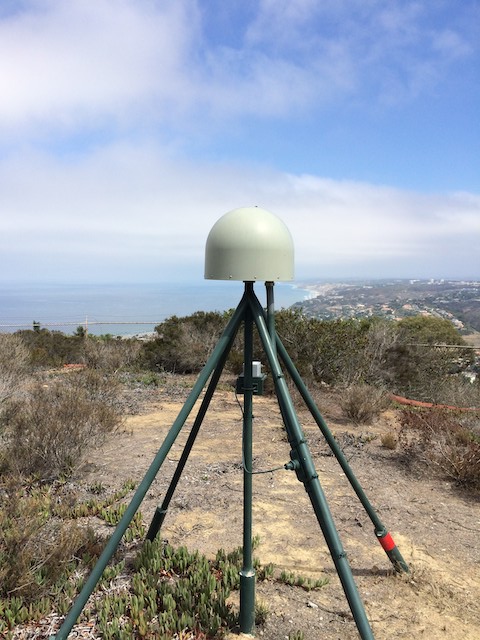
308, 584
362, 403
35, 549
296, 635
54, 348
14, 361
261, 612
389, 441
109, 355
324, 351
49, 431
191, 594
455, 390
162, 593
183, 345
51, 348
442, 444
419, 370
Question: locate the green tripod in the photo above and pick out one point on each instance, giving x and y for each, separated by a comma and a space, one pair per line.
251, 314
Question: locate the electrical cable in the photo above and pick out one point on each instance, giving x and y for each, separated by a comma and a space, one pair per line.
251, 471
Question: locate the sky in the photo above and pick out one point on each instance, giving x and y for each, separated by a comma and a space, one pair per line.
129, 127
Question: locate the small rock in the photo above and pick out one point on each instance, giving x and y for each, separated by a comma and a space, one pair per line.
312, 605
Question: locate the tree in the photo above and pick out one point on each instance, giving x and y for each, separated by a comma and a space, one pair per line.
51, 348
419, 365
428, 330
183, 345
331, 351
81, 332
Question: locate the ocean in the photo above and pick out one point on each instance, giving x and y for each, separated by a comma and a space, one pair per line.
123, 309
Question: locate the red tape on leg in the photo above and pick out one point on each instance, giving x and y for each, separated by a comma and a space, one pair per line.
387, 542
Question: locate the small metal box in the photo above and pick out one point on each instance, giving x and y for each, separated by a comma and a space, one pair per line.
257, 384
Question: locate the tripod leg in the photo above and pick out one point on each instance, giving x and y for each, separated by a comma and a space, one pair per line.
381, 532
161, 510
152, 471
303, 465
247, 573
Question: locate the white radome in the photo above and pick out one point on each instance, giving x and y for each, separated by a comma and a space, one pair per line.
249, 244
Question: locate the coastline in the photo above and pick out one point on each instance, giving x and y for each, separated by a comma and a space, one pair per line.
123, 309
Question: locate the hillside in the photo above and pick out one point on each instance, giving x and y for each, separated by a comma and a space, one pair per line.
433, 522
77, 440
458, 301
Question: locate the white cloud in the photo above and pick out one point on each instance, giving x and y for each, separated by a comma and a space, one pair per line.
130, 68
67, 63
87, 65
391, 52
128, 206
451, 44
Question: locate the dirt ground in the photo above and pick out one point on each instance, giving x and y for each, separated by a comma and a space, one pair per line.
434, 525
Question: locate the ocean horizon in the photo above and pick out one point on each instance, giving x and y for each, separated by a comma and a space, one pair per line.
123, 309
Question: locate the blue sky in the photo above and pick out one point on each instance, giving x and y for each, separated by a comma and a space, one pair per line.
128, 127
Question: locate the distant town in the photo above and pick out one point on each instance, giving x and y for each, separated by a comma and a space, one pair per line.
455, 300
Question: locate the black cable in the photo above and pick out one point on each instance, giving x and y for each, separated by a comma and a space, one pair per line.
251, 471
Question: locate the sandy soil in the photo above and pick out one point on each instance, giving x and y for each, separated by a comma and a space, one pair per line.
434, 525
